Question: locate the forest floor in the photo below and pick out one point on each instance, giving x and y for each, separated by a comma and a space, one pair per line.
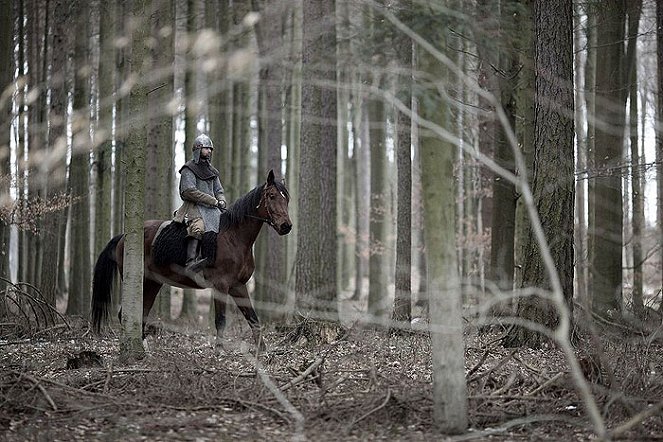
67, 384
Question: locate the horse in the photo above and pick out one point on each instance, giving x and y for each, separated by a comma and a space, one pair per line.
227, 273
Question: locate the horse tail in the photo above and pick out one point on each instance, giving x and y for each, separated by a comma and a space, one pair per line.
102, 283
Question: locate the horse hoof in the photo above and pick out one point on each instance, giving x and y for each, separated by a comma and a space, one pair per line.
219, 348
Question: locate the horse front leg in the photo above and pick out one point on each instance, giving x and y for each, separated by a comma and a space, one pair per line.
241, 296
219, 318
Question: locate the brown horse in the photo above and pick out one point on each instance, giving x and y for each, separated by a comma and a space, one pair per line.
227, 273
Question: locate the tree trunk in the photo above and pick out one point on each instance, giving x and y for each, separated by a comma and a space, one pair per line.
378, 284
190, 298
79, 175
581, 163
270, 291
160, 142
553, 174
659, 133
7, 66
103, 161
315, 265
446, 328
131, 346
590, 103
402, 309
610, 113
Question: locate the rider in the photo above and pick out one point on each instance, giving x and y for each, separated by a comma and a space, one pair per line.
204, 201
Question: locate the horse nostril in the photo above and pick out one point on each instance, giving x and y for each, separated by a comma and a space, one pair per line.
286, 228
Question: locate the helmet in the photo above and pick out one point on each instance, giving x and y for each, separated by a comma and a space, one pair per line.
200, 142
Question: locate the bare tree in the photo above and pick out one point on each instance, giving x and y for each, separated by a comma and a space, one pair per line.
315, 267
131, 346
6, 76
606, 231
79, 173
443, 280
553, 172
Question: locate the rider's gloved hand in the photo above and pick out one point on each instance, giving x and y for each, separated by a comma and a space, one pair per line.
221, 205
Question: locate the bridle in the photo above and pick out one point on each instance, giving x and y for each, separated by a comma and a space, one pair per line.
269, 220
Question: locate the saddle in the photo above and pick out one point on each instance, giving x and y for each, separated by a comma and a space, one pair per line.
169, 245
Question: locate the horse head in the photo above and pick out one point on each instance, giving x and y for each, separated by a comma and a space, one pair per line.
273, 205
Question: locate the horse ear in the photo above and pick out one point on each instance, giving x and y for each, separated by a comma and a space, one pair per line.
270, 177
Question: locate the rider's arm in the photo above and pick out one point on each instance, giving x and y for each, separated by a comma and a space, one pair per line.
219, 193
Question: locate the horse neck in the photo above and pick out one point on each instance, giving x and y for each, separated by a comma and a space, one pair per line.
248, 230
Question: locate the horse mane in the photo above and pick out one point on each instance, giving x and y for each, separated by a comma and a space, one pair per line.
245, 206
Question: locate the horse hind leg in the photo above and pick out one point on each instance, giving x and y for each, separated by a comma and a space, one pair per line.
150, 292
240, 295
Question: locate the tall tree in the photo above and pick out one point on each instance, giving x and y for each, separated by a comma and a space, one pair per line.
609, 149
52, 278
191, 116
553, 171
443, 281
131, 346
637, 197
378, 261
271, 270
6, 76
160, 143
79, 174
402, 311
504, 192
581, 155
315, 266
659, 132
103, 155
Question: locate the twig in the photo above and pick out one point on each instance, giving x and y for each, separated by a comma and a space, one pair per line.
499, 364
304, 374
365, 415
478, 364
42, 389
526, 365
514, 423
278, 394
635, 420
508, 384
549, 382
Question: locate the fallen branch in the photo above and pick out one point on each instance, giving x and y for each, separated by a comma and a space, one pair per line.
478, 364
365, 415
497, 366
546, 384
635, 420
299, 379
42, 389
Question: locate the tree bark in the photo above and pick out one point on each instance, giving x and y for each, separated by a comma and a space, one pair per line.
316, 262
7, 66
131, 346
402, 309
437, 175
553, 174
610, 116
79, 175
160, 142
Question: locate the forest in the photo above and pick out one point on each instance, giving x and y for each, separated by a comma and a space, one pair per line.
444, 220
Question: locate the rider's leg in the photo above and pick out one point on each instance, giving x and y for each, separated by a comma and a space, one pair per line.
195, 229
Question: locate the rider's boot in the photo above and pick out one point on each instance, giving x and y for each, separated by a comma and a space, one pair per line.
194, 262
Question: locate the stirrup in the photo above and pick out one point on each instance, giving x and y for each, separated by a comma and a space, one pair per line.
195, 265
